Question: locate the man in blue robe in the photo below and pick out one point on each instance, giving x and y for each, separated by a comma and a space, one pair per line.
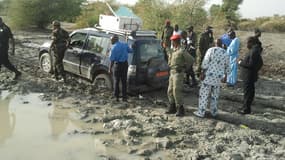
226, 40
232, 51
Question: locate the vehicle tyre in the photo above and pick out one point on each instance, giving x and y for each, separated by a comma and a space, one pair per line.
103, 81
46, 63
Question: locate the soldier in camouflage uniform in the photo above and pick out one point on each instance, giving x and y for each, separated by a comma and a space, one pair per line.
206, 41
179, 60
60, 42
165, 37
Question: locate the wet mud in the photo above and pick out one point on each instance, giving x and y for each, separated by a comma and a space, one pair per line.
88, 124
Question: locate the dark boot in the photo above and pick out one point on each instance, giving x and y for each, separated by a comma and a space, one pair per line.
64, 78
194, 82
171, 109
17, 75
181, 111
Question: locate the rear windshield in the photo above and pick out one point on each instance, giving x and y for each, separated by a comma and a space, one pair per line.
150, 49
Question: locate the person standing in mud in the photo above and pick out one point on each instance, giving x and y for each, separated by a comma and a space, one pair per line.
165, 37
257, 34
205, 42
215, 68
179, 59
232, 51
60, 42
226, 40
250, 66
5, 35
191, 48
119, 59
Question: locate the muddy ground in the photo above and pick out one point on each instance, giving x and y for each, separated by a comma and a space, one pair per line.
146, 131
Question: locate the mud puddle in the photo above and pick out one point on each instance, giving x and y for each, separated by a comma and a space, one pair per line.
32, 129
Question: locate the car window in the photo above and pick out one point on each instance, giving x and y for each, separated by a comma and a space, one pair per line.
106, 44
78, 39
150, 49
95, 44
131, 55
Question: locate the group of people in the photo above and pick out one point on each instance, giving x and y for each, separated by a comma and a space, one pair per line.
217, 63
60, 42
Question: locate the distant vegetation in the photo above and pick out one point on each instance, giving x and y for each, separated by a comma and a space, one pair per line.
26, 13
268, 24
155, 12
40, 13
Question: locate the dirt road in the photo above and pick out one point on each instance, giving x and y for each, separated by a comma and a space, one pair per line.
145, 131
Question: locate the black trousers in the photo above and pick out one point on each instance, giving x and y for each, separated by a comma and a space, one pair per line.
190, 72
58, 62
249, 92
5, 61
120, 75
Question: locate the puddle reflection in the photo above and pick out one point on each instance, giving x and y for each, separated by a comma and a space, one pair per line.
7, 118
31, 129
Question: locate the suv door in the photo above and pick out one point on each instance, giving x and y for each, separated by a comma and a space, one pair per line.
94, 55
152, 68
71, 59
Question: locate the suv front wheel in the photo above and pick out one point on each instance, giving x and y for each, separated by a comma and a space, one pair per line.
103, 81
46, 62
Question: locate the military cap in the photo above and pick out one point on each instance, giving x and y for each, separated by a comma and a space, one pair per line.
167, 21
56, 23
190, 28
209, 28
256, 30
175, 37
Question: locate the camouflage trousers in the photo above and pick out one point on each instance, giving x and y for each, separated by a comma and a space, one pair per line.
175, 88
200, 60
58, 62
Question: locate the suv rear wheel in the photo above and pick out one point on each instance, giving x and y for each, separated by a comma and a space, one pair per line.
46, 63
103, 81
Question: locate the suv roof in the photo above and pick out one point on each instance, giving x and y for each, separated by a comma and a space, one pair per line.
126, 33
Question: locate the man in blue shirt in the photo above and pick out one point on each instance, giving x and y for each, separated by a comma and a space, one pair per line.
119, 59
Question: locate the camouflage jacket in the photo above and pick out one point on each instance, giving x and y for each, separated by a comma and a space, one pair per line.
166, 34
60, 38
179, 60
205, 42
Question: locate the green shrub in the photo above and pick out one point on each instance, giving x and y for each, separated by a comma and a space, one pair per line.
273, 26
268, 24
26, 13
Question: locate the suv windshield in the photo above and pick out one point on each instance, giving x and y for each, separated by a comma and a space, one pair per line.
150, 49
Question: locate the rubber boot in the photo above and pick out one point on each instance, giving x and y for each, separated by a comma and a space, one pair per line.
171, 109
180, 112
17, 75
64, 78
194, 81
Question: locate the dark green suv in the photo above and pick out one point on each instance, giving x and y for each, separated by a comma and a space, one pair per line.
88, 57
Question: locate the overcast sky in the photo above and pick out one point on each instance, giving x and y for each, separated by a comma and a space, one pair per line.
249, 8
